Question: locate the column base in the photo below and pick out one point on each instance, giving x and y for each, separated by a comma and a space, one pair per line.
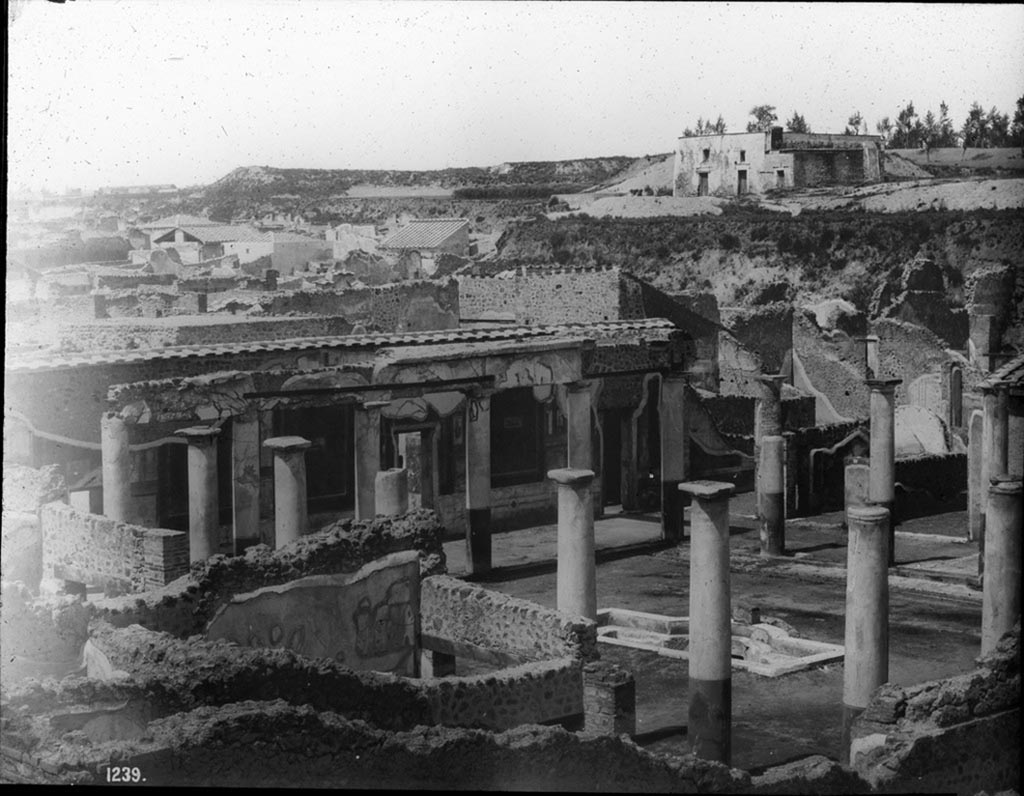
478, 541
672, 504
773, 524
709, 719
850, 715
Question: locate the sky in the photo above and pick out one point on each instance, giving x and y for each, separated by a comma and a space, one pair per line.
129, 92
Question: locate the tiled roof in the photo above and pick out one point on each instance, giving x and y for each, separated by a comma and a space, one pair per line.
424, 233
223, 233
1012, 373
179, 220
50, 361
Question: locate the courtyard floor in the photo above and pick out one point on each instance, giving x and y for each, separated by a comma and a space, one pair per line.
935, 616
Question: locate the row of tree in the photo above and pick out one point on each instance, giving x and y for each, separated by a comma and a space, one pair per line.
981, 128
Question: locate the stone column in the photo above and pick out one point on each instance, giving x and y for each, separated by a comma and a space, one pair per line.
478, 483
872, 360
866, 662
882, 483
1000, 607
856, 485
290, 510
245, 480
994, 449
366, 433
117, 467
580, 437
767, 421
975, 467
392, 492
577, 576
674, 448
710, 685
771, 496
203, 506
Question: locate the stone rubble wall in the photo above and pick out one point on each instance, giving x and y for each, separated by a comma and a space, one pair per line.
960, 734
184, 607
99, 551
464, 613
549, 296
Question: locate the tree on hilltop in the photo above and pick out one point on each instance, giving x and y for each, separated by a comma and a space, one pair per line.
707, 127
908, 133
975, 130
884, 128
1017, 130
855, 124
798, 124
764, 118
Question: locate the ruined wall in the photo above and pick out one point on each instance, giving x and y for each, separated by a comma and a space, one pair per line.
400, 307
185, 607
828, 167
829, 364
92, 549
765, 330
961, 734
25, 491
100, 335
467, 614
544, 296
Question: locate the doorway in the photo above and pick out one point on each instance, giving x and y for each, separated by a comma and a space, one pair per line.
741, 182
415, 449
611, 465
780, 179
702, 184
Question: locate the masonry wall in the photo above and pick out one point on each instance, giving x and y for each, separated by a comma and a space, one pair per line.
95, 550
828, 167
548, 296
961, 734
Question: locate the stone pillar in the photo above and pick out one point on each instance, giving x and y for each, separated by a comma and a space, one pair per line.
882, 483
674, 447
771, 496
710, 709
792, 472
609, 699
994, 449
975, 467
478, 483
366, 433
580, 437
857, 483
391, 492
290, 510
866, 663
203, 505
1004, 523
767, 421
245, 480
577, 567
872, 360
117, 467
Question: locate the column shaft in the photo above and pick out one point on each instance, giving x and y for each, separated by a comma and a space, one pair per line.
478, 484
116, 467
291, 518
882, 482
975, 466
1000, 607
577, 580
203, 504
866, 662
580, 436
366, 433
245, 481
772, 496
674, 448
710, 650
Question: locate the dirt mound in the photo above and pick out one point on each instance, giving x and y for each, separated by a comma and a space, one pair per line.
650, 207
895, 165
654, 172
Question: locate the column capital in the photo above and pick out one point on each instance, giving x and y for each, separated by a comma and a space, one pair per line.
198, 434
771, 379
287, 444
372, 406
883, 385
579, 386
679, 376
868, 338
992, 386
707, 490
571, 476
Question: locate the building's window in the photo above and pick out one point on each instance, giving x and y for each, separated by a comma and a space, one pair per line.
743, 156
516, 452
707, 155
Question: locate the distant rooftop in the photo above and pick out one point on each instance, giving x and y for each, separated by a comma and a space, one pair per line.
179, 220
424, 233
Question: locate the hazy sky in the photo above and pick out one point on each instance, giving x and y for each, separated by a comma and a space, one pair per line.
120, 92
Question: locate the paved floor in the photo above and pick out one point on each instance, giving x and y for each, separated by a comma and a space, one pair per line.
934, 624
